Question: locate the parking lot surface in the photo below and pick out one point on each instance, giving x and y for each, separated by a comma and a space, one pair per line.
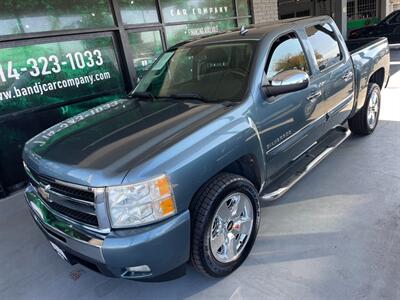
335, 235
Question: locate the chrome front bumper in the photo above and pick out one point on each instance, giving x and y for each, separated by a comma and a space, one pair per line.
71, 235
164, 247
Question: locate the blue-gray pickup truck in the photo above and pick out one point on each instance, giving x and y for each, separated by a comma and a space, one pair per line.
175, 173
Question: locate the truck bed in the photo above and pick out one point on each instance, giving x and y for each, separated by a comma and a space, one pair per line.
370, 56
362, 44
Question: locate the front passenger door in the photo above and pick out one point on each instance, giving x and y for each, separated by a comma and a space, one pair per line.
289, 123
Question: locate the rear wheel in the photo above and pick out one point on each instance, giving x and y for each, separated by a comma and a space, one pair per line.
366, 120
225, 221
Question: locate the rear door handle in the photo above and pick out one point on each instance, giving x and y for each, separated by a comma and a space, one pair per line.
348, 76
314, 95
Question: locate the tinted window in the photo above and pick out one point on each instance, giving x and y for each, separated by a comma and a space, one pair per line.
146, 47
179, 33
138, 11
215, 72
395, 19
243, 8
286, 54
195, 10
326, 47
21, 16
43, 74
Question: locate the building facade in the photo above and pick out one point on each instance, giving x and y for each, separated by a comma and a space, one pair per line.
59, 58
348, 14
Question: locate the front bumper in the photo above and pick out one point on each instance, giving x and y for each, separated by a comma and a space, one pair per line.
164, 247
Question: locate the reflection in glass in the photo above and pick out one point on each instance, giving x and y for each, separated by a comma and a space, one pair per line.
179, 33
21, 129
214, 72
138, 11
244, 22
21, 16
287, 54
243, 8
43, 74
146, 47
326, 48
194, 10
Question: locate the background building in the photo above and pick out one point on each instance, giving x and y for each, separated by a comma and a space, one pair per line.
348, 14
59, 58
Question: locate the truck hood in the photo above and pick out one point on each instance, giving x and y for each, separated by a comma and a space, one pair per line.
100, 146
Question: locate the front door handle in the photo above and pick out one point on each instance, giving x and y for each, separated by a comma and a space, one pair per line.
348, 76
314, 95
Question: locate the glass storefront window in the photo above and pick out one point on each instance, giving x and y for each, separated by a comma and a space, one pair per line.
196, 10
43, 74
146, 47
20, 16
138, 11
179, 33
244, 22
243, 8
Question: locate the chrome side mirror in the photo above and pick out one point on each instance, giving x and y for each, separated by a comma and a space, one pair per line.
287, 82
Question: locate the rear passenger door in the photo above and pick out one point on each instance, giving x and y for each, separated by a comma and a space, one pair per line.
289, 123
335, 65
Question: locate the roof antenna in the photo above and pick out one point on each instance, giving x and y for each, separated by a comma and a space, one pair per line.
243, 30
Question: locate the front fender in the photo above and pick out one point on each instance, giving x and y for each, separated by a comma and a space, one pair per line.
194, 160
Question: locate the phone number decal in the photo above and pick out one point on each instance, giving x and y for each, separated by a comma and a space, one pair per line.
47, 65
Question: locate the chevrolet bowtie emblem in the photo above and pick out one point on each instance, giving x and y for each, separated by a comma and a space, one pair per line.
43, 191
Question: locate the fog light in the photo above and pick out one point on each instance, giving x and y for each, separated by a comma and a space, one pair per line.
136, 272
143, 268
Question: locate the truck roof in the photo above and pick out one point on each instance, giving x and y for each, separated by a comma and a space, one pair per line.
254, 32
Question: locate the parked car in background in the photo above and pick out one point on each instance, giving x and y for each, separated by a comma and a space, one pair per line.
388, 27
138, 187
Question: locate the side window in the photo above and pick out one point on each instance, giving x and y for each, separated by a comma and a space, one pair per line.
286, 54
394, 20
325, 45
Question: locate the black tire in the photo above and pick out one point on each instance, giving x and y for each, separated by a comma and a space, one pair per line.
204, 206
358, 124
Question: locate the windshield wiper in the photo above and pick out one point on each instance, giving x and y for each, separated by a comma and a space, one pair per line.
191, 96
142, 95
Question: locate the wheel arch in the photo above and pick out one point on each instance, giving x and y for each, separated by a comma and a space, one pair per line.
246, 166
378, 77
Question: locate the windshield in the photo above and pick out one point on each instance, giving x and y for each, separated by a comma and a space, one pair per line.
213, 72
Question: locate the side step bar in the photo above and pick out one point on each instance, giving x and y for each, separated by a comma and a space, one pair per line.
278, 190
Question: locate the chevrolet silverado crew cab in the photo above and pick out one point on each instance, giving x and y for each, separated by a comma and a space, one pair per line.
138, 187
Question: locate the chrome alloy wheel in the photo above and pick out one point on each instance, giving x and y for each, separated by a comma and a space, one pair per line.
373, 110
231, 227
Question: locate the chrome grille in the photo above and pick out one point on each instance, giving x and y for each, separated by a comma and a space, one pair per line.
63, 189
74, 214
74, 203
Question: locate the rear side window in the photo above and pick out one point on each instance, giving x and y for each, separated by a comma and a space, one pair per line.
325, 45
286, 54
395, 19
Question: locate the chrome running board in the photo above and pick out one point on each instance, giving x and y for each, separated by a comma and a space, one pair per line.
299, 174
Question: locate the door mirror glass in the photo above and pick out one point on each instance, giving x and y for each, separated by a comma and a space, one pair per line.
287, 82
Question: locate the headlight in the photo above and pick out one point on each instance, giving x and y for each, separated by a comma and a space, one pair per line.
141, 203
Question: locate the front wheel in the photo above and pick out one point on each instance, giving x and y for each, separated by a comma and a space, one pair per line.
365, 121
225, 221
